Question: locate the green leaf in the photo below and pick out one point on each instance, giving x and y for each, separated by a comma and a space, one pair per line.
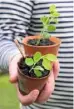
37, 57
56, 14
52, 8
29, 61
39, 68
51, 28
44, 20
51, 57
37, 73
46, 64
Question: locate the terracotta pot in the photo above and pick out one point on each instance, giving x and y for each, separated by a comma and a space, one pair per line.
27, 84
31, 49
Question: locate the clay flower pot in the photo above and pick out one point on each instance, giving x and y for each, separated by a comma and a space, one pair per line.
27, 84
34, 71
31, 49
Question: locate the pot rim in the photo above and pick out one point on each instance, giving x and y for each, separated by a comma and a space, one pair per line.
37, 37
32, 77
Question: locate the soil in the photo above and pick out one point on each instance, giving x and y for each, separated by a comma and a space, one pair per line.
43, 42
25, 69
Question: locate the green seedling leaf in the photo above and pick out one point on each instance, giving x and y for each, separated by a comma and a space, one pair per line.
37, 57
56, 14
39, 68
46, 64
44, 20
37, 73
51, 57
51, 28
29, 61
52, 8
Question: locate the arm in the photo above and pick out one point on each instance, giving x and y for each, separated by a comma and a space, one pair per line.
14, 21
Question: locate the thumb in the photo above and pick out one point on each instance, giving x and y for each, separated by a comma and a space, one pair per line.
13, 69
13, 73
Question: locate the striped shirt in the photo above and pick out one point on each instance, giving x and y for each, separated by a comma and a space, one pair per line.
22, 18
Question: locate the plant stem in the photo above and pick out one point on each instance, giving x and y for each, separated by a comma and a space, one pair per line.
33, 66
38, 41
35, 63
44, 28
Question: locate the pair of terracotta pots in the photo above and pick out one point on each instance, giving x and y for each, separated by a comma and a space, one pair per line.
26, 83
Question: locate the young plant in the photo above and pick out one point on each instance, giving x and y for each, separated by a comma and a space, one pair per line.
46, 63
48, 23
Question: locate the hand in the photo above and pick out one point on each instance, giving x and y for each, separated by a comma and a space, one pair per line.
49, 87
27, 99
33, 96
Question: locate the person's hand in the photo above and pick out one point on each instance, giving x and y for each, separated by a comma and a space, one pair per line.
27, 99
33, 96
49, 87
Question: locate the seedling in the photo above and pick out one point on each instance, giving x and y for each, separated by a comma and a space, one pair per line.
46, 63
48, 23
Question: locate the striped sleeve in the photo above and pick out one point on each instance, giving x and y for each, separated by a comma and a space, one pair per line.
14, 21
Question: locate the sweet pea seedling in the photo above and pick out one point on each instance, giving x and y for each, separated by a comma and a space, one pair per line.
48, 23
46, 62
